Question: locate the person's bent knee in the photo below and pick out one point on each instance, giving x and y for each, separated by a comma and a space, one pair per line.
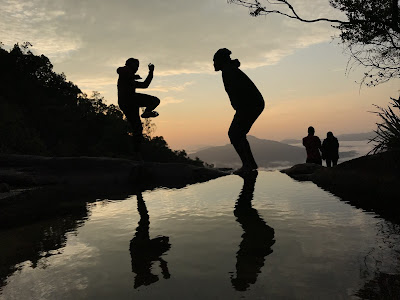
236, 138
154, 102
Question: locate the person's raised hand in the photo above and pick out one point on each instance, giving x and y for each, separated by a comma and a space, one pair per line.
151, 67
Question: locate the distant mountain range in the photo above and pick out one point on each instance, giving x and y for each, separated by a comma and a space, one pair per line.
268, 154
365, 136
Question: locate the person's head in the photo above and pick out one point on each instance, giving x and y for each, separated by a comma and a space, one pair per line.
221, 58
133, 64
311, 130
329, 134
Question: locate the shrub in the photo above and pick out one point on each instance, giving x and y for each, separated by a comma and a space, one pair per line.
388, 131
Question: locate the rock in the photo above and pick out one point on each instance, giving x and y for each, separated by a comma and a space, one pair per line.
302, 169
370, 182
101, 172
4, 187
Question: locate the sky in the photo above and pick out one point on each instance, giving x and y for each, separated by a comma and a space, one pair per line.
299, 68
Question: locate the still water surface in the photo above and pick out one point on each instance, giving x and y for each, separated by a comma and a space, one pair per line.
266, 237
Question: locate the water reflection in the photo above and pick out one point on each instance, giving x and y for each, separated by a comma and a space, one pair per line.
258, 237
144, 251
44, 238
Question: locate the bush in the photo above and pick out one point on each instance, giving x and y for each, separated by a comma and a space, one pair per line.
388, 131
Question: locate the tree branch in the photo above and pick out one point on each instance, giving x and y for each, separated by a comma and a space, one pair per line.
258, 9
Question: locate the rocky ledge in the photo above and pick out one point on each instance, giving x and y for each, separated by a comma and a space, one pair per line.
36, 188
22, 171
370, 182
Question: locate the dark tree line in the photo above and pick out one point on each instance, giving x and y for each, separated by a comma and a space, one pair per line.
44, 114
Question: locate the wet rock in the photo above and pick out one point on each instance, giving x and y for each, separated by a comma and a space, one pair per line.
370, 182
302, 172
102, 172
4, 187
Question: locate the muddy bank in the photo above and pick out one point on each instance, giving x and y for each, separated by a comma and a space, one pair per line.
369, 182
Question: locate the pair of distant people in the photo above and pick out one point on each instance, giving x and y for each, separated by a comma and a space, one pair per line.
329, 148
245, 99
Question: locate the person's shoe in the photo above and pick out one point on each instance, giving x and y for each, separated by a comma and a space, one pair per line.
150, 114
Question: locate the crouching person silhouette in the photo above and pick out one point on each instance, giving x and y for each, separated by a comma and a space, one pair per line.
246, 100
130, 102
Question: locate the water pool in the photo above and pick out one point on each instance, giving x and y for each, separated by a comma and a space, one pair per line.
262, 237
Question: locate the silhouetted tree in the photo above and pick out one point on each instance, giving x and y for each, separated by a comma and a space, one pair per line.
43, 113
371, 32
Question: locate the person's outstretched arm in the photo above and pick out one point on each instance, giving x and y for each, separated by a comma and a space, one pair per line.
145, 84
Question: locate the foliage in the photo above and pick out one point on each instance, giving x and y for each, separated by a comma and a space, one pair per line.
388, 132
43, 113
371, 32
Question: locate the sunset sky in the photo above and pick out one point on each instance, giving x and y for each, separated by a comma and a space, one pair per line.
299, 68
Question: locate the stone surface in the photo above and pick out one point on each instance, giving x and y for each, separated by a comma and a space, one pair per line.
21, 171
4, 187
370, 182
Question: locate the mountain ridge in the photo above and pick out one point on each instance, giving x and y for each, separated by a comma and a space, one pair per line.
268, 154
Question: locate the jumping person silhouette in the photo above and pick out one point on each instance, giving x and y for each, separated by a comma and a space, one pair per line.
246, 100
129, 101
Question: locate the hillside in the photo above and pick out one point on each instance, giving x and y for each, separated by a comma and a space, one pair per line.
268, 154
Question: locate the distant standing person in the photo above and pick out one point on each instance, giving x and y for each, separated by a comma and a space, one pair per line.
130, 102
246, 100
313, 146
330, 149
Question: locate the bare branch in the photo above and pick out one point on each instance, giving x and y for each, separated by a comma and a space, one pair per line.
257, 9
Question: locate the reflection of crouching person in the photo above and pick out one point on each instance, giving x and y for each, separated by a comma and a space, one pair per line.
130, 102
330, 149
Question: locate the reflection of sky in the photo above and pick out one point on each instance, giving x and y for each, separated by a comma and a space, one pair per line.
324, 248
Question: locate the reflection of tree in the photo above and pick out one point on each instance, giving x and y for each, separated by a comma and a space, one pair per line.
34, 240
144, 251
382, 286
379, 268
258, 237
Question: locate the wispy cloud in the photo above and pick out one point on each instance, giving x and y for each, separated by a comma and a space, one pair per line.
89, 39
166, 89
170, 100
32, 21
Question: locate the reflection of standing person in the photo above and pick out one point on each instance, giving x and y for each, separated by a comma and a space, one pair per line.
330, 149
144, 251
257, 238
248, 102
313, 146
129, 101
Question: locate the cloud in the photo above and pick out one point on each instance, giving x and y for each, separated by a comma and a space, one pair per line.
170, 100
34, 22
88, 40
166, 89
